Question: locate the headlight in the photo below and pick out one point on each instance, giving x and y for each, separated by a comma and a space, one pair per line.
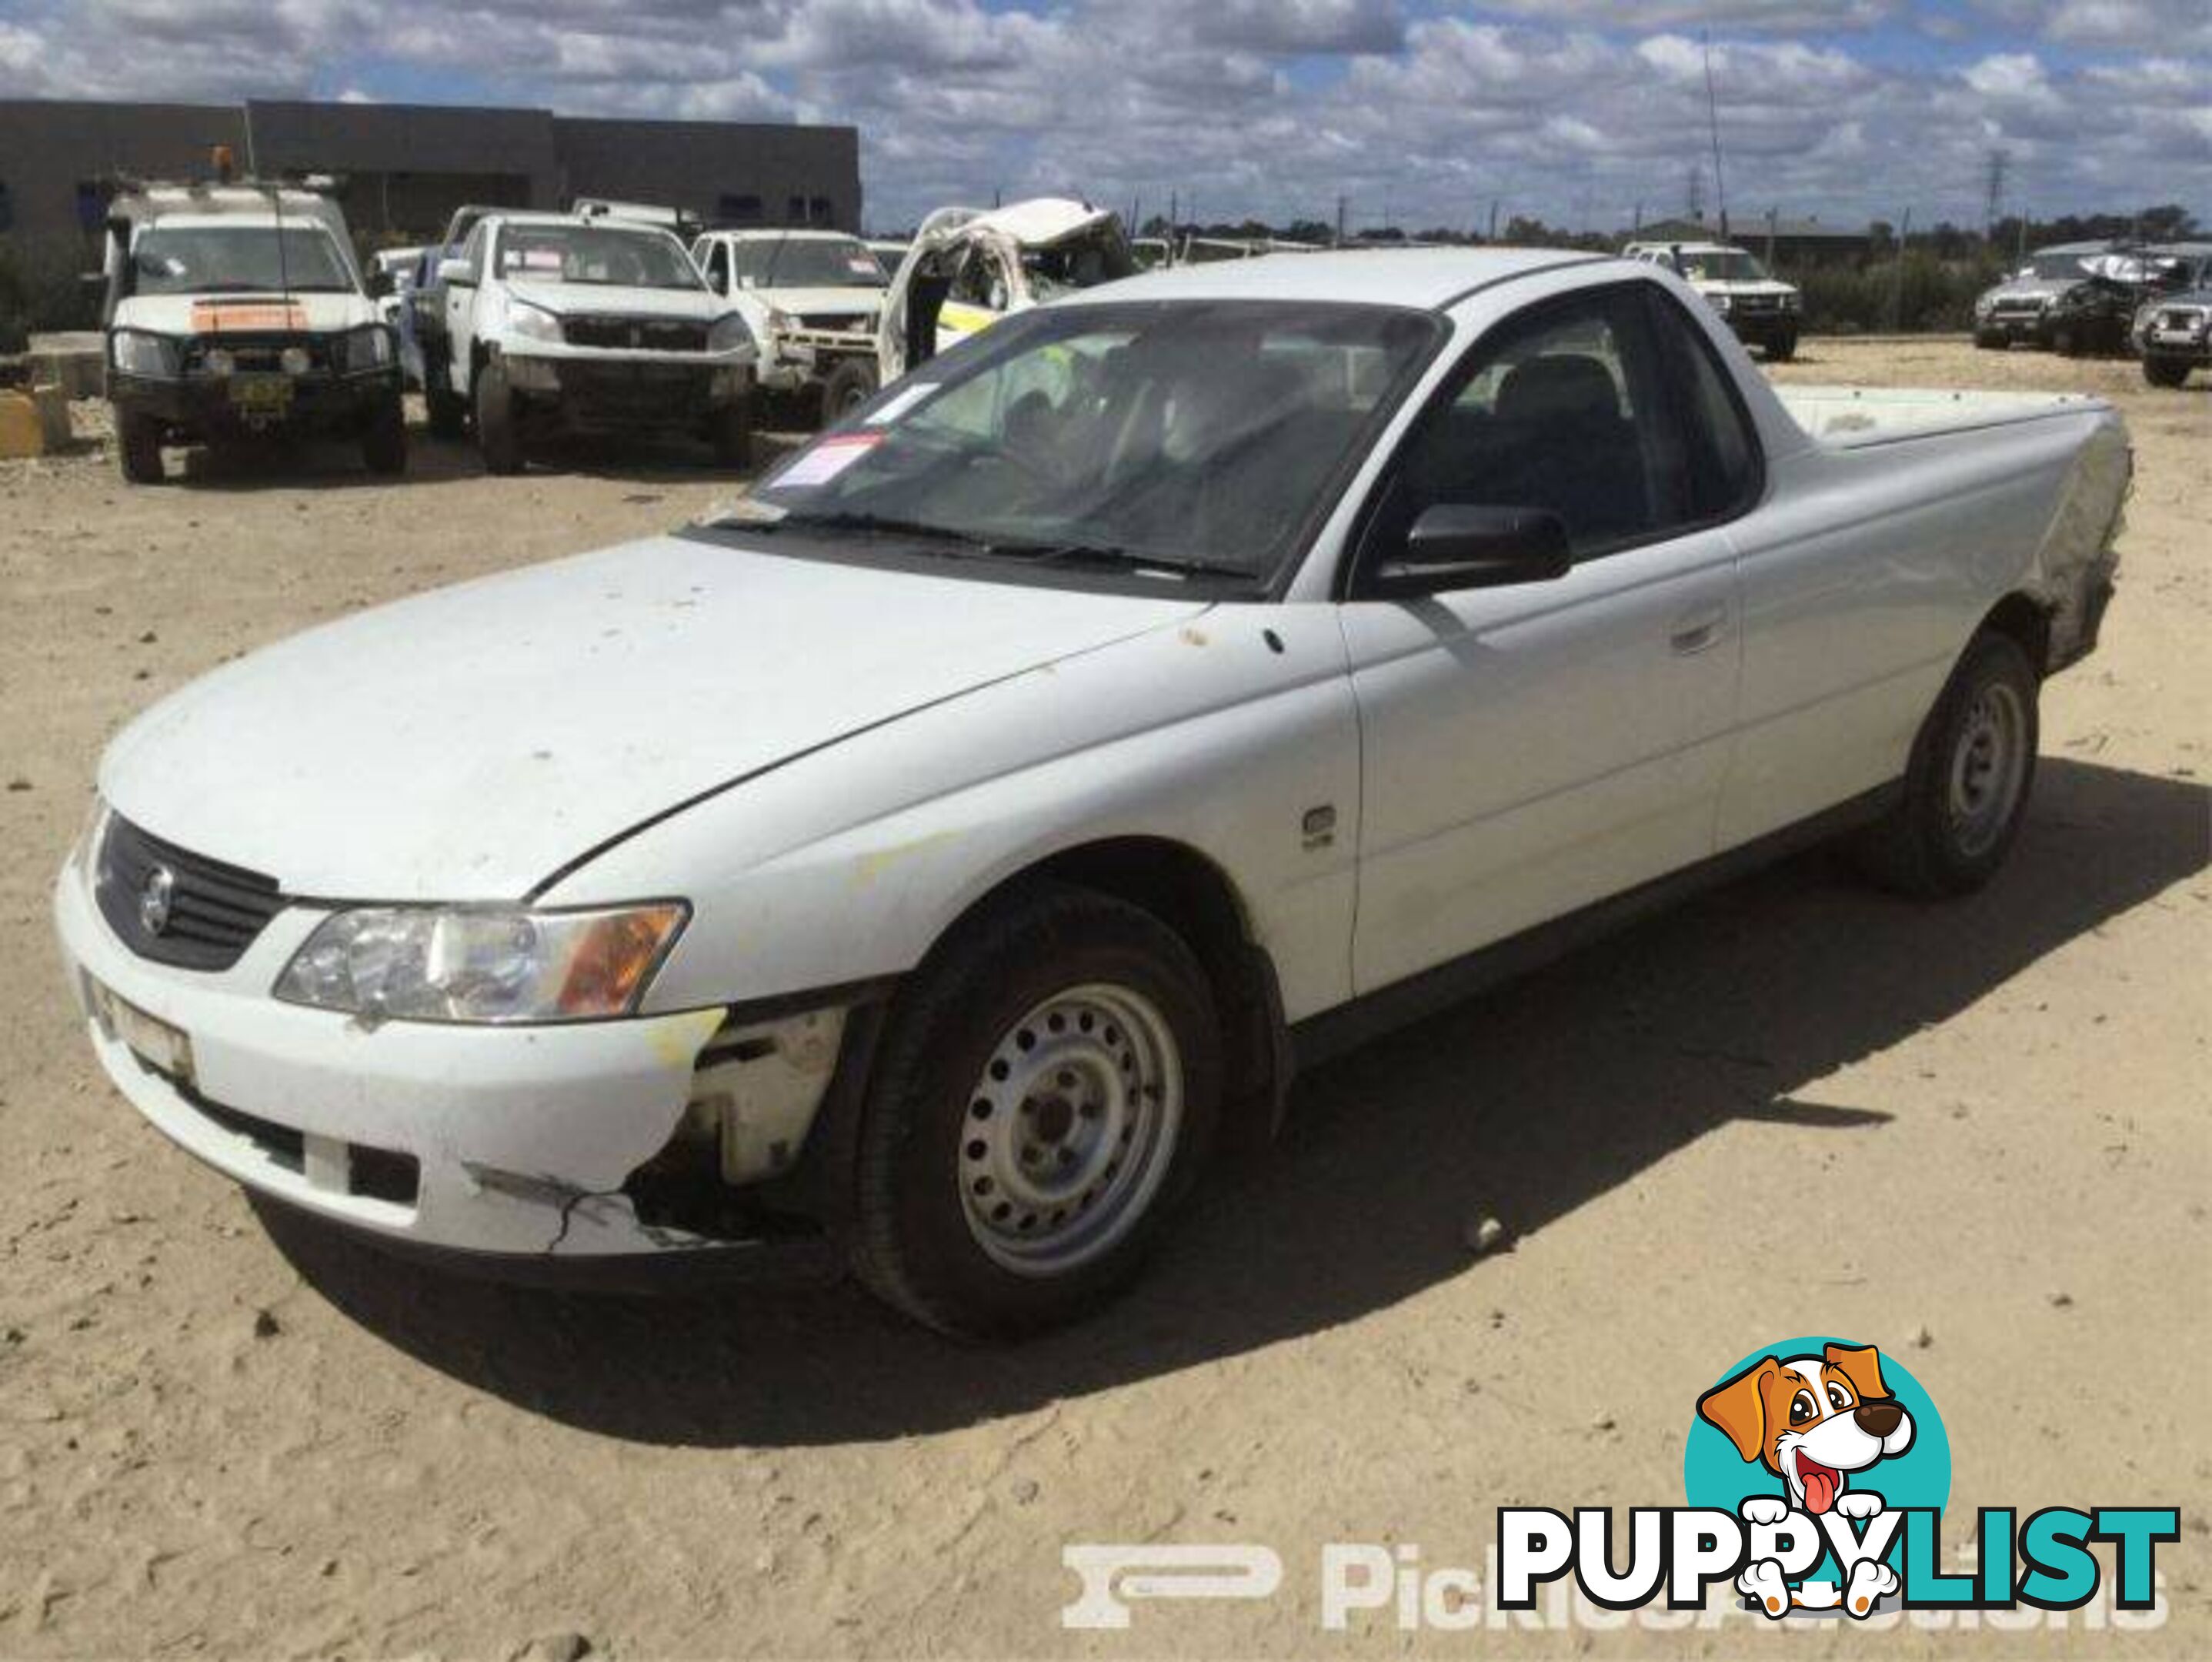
531, 323
138, 353
2070, 298
729, 334
219, 362
1790, 301
1721, 303
781, 321
366, 349
481, 963
1984, 304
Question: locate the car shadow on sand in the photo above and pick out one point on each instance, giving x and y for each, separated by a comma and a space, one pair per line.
287, 462
1525, 1105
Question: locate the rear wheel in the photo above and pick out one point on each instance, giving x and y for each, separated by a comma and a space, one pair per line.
2164, 372
497, 434
1046, 1091
1966, 787
2066, 340
383, 440
138, 446
848, 387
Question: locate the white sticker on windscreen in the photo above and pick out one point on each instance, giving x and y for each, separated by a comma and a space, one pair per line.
827, 459
901, 402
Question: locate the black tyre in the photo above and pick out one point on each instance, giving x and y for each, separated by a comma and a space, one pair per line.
138, 446
448, 410
2066, 340
1782, 348
383, 440
1045, 1092
1967, 785
848, 387
2164, 372
1989, 342
497, 434
730, 430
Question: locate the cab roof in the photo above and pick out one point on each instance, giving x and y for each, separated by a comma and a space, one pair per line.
1430, 279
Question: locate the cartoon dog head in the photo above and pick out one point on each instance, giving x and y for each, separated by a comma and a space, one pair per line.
1812, 1421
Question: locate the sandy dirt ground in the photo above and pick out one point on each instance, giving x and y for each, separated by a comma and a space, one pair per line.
1974, 1135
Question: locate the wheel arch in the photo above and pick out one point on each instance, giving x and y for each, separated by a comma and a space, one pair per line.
1192, 894
2025, 621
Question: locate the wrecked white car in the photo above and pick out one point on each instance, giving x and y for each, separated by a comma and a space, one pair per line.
967, 267
1158, 692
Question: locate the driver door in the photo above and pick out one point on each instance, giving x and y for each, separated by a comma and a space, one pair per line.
1529, 750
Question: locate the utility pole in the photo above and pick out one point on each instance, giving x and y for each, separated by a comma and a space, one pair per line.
1493, 236
1696, 194
1897, 276
1340, 219
1713, 120
1772, 214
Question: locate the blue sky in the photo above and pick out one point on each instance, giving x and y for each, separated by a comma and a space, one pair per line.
1420, 112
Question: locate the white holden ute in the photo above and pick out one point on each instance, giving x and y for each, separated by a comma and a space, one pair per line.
928, 861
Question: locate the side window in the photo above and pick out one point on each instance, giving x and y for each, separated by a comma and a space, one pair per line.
1723, 455
477, 247
1566, 409
718, 267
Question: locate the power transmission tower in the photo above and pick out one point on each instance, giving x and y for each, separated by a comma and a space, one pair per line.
2000, 161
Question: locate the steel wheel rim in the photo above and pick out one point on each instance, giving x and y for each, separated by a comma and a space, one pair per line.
1070, 1129
1987, 768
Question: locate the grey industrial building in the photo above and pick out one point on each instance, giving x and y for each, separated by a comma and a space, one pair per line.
403, 168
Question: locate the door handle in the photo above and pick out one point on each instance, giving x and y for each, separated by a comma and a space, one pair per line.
1694, 631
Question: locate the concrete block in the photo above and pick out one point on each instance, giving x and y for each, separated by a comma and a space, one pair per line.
75, 361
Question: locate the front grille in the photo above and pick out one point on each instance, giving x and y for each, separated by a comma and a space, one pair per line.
834, 320
2179, 320
214, 910
256, 354
1758, 302
636, 334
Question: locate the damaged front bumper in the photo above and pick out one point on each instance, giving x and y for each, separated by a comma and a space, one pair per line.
585, 1143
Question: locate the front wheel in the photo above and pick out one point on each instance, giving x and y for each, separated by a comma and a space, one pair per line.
1966, 786
1047, 1089
496, 433
138, 446
383, 440
2067, 341
1782, 348
730, 431
448, 410
848, 387
2164, 372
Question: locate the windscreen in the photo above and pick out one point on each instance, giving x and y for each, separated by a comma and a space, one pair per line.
221, 259
599, 255
790, 262
1732, 266
1202, 432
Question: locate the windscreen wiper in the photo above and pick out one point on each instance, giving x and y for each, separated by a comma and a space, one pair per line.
879, 525
1113, 557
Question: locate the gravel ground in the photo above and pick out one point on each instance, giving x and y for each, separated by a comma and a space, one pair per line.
1974, 1135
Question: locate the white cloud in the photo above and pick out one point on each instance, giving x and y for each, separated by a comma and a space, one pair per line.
1579, 110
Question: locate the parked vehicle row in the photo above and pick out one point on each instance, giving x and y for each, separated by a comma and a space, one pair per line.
2080, 298
928, 860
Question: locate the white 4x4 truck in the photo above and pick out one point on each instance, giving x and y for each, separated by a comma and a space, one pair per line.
1763, 310
239, 309
1164, 692
811, 298
563, 322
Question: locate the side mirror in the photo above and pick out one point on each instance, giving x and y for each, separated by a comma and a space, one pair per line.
380, 283
1454, 546
457, 274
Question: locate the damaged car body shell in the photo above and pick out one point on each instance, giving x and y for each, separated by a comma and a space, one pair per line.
830, 795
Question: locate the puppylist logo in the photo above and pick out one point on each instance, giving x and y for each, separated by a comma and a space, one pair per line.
1816, 1473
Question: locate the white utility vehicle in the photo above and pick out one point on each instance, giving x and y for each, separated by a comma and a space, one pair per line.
1158, 692
237, 309
811, 298
967, 268
590, 323
1761, 308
